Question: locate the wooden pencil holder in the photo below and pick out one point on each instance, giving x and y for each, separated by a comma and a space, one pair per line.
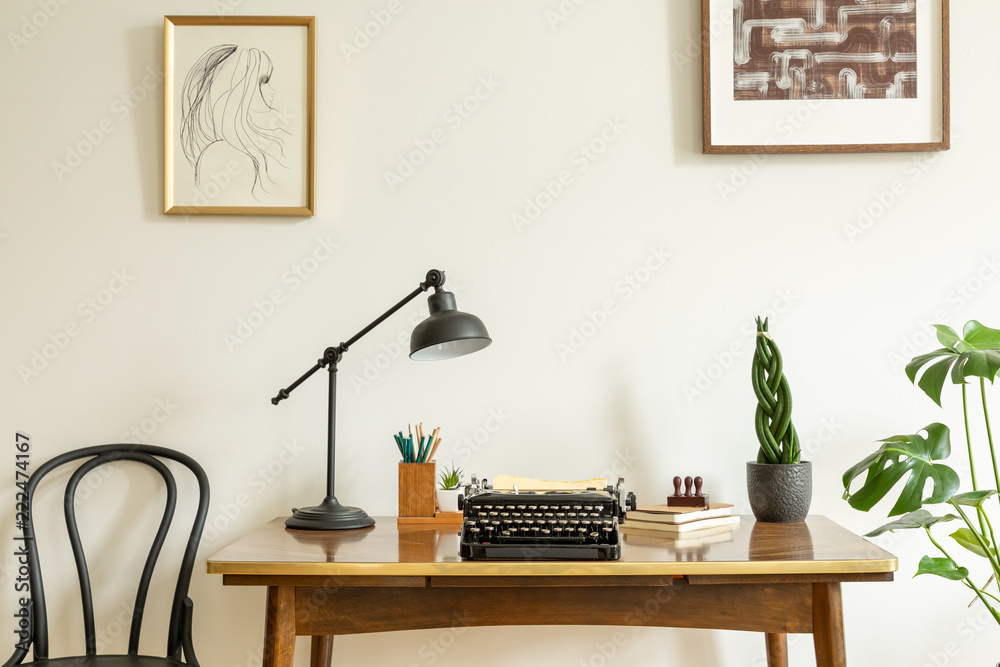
416, 489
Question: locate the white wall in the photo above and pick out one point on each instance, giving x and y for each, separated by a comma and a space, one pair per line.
845, 305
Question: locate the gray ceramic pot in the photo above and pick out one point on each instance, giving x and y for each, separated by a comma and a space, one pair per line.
779, 493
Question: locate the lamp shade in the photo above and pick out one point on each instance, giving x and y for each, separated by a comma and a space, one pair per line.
448, 332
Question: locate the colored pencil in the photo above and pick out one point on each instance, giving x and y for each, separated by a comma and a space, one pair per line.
419, 450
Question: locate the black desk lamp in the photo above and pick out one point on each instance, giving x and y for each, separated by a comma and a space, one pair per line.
445, 334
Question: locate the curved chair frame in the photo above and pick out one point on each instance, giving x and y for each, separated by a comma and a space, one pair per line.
179, 631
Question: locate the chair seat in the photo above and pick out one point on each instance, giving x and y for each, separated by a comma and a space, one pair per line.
109, 661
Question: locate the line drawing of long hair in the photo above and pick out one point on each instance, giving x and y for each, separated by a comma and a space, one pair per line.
225, 98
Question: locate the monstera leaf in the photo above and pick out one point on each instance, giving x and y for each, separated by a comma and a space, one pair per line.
974, 498
942, 567
967, 538
917, 519
905, 456
975, 354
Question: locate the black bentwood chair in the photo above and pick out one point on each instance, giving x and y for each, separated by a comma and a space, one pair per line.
36, 634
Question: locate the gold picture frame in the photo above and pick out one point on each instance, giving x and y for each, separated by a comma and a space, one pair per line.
828, 103
239, 104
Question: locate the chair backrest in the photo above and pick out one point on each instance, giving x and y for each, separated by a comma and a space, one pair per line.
178, 633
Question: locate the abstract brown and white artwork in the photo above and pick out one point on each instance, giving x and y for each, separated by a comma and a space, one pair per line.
824, 49
825, 76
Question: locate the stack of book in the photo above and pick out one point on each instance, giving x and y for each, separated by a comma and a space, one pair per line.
717, 518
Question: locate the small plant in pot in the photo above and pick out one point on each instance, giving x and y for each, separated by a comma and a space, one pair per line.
449, 488
779, 483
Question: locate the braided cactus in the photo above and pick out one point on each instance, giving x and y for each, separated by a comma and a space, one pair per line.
779, 443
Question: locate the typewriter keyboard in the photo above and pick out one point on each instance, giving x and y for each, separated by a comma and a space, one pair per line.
517, 527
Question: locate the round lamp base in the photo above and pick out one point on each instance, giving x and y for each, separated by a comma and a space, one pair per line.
329, 515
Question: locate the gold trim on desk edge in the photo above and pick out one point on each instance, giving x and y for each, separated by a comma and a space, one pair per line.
551, 568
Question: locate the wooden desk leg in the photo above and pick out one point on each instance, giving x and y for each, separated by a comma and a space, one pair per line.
828, 625
777, 649
322, 651
279, 627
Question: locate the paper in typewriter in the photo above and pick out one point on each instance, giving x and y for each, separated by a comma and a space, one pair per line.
508, 482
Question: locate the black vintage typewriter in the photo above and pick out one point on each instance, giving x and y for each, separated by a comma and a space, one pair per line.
542, 525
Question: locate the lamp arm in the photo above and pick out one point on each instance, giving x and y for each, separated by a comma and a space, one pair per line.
332, 355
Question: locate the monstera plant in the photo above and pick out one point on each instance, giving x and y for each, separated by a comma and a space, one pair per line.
914, 462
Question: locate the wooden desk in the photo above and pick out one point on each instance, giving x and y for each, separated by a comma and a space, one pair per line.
770, 578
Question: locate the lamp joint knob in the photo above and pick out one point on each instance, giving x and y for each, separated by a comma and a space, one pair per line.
435, 278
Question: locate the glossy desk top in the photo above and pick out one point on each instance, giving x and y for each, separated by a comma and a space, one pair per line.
817, 545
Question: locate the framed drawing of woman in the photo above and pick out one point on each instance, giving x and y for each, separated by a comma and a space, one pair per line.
239, 115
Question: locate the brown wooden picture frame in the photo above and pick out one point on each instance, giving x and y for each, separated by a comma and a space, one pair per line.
777, 126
